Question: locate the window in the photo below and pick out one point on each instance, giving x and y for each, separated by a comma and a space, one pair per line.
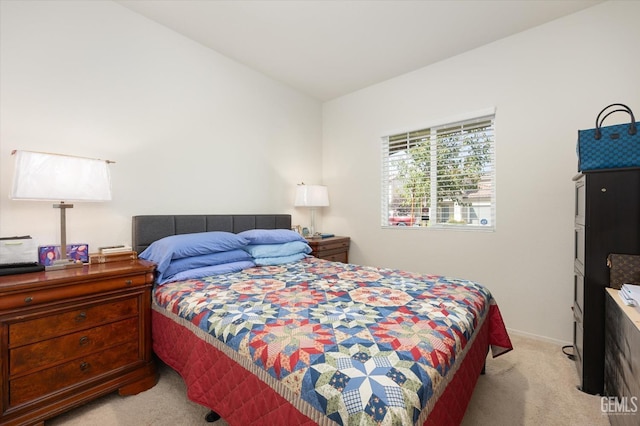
442, 176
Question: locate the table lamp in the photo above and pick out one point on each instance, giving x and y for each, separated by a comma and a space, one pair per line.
312, 196
60, 178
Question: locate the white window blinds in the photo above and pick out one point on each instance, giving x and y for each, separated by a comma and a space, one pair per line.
440, 176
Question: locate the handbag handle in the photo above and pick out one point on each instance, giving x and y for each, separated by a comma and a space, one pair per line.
632, 126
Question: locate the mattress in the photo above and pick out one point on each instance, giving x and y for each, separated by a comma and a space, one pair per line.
319, 342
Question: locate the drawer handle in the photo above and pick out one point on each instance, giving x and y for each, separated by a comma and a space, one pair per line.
81, 317
28, 299
84, 340
128, 282
85, 366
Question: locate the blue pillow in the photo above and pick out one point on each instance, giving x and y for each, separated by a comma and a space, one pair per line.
270, 261
271, 236
193, 262
161, 252
277, 250
206, 271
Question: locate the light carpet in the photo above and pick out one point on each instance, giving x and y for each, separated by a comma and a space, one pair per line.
535, 384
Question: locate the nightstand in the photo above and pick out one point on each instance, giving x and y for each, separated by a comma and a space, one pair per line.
69, 336
335, 249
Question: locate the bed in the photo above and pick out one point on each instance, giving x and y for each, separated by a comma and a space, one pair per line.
307, 341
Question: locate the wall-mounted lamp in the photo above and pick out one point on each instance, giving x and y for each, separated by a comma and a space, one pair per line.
312, 196
60, 178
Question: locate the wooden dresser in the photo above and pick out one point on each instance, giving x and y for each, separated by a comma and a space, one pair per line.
335, 249
69, 336
622, 361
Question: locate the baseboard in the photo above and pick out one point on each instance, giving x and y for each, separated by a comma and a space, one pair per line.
538, 337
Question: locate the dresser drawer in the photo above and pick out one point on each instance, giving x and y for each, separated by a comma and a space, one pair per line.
22, 333
62, 292
579, 248
578, 296
42, 383
333, 246
336, 257
43, 354
580, 200
578, 336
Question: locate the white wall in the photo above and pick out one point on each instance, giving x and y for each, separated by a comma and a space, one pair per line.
545, 83
190, 130
194, 132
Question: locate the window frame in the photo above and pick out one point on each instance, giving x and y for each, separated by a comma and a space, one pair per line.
462, 121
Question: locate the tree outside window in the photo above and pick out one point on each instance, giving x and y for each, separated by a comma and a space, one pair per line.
440, 176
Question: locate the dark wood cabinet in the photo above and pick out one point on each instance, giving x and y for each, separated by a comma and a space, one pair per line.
333, 248
607, 220
69, 336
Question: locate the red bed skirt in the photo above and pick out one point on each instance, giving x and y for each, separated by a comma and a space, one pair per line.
241, 398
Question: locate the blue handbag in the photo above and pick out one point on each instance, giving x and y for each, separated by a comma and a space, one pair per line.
610, 147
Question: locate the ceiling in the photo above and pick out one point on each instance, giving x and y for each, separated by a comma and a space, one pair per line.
328, 48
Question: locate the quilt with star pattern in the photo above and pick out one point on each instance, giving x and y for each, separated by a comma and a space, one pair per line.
345, 344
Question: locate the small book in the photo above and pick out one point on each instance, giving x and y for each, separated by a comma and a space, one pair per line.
327, 235
115, 249
112, 257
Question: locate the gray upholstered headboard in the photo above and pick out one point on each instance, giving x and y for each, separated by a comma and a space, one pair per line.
147, 229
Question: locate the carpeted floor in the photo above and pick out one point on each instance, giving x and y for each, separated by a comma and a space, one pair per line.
535, 384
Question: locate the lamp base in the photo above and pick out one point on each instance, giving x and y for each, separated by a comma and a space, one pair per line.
63, 264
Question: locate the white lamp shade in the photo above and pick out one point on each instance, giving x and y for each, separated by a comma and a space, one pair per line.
53, 177
311, 196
